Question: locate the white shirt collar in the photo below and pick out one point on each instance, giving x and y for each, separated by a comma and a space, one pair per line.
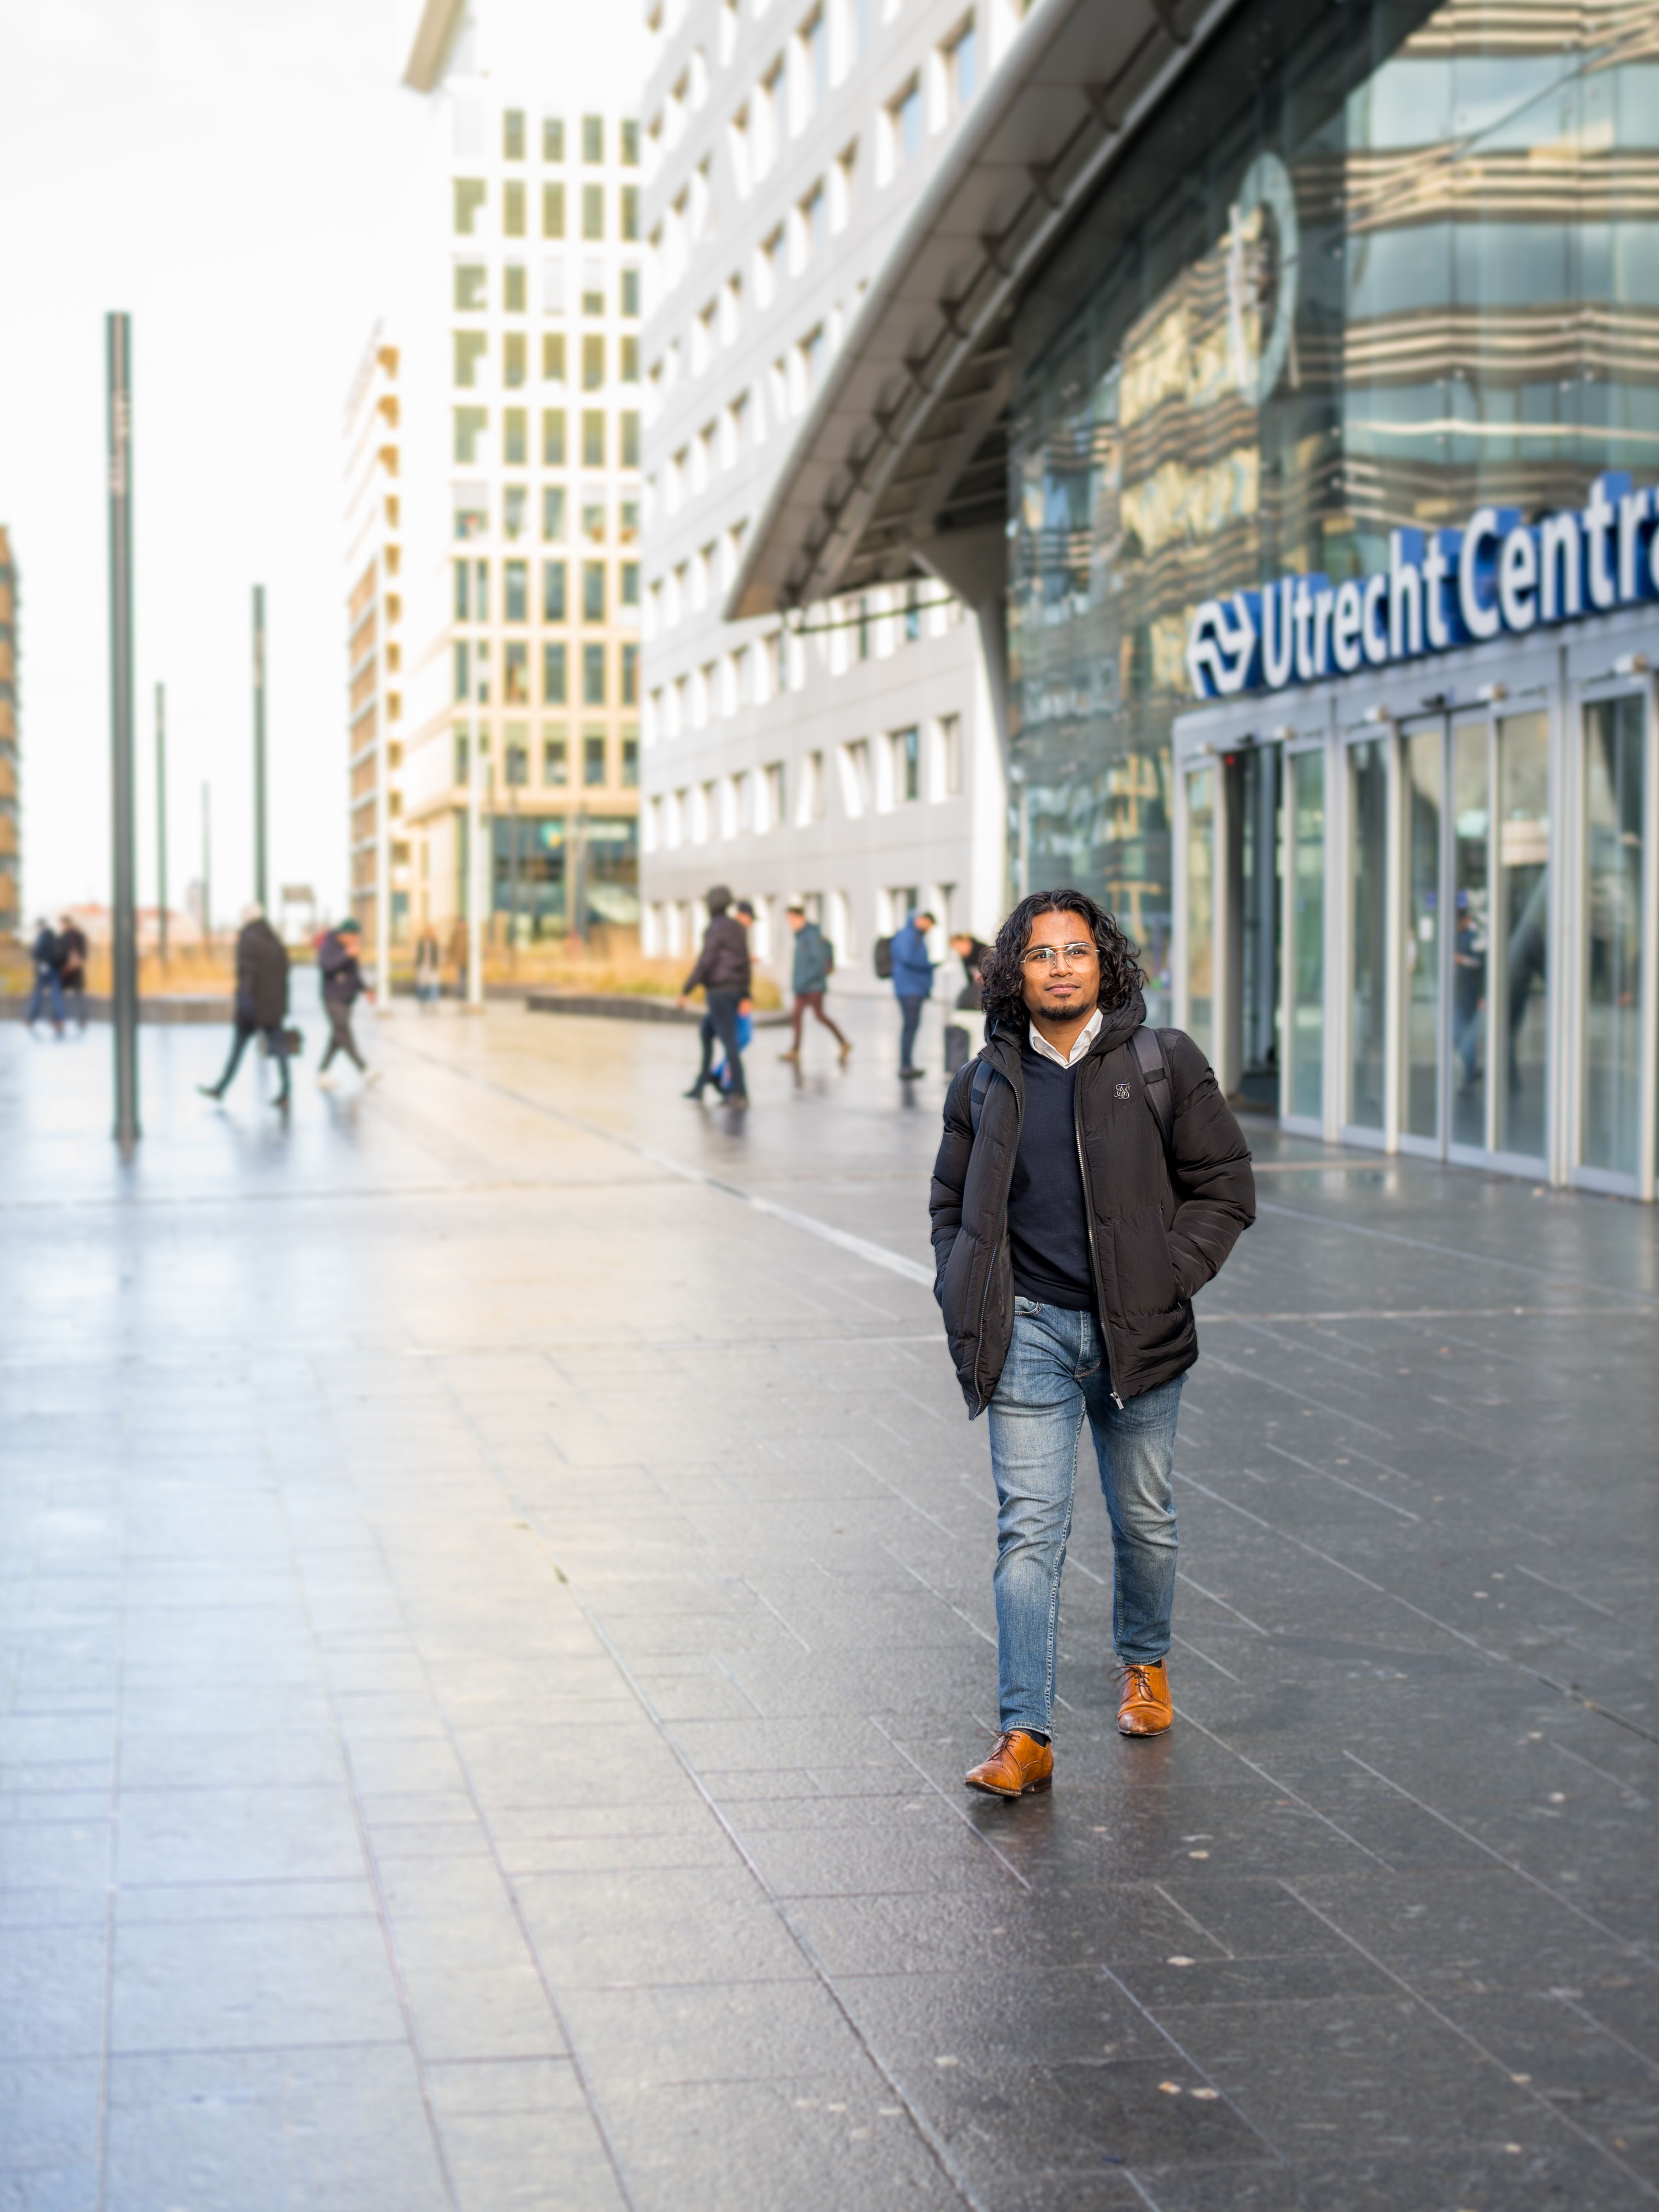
1091, 1030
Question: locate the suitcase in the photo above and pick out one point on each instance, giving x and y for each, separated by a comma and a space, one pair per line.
958, 1047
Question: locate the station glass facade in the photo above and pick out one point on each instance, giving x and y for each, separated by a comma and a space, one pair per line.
1377, 266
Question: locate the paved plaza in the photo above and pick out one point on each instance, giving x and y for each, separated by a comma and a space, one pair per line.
494, 1610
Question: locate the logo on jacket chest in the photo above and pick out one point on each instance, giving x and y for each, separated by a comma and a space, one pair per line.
1121, 1091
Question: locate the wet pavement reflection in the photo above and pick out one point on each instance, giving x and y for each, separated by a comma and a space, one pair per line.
495, 1609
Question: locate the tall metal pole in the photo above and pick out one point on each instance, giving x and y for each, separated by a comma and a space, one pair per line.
207, 865
476, 891
259, 743
161, 820
117, 343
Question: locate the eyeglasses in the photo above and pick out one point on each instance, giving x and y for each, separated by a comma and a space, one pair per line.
1051, 955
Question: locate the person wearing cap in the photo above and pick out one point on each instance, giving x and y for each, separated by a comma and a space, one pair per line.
342, 986
810, 979
261, 1002
725, 976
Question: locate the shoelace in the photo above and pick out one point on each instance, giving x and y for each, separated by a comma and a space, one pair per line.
1135, 1681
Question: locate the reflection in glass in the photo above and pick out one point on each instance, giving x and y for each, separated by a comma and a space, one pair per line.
1522, 904
1201, 909
1307, 950
1614, 743
1471, 931
1368, 769
1422, 948
1255, 799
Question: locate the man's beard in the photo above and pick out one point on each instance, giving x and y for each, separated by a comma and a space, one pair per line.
1067, 1009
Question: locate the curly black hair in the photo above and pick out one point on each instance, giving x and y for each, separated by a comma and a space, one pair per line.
1004, 970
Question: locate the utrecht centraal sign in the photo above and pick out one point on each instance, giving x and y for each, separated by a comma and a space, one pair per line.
1445, 588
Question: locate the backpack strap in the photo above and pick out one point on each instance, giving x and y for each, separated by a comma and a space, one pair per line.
981, 1083
1160, 1092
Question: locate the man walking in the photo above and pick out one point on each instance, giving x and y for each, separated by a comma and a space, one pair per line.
1089, 1181
261, 1002
724, 974
810, 979
913, 985
47, 955
342, 986
72, 966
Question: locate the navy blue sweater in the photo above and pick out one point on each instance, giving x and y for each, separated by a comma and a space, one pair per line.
1047, 1226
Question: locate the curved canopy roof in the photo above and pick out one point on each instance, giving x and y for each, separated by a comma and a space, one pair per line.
902, 457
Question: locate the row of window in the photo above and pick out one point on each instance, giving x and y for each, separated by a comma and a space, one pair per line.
515, 139
869, 628
472, 676
472, 424
471, 595
472, 511
470, 202
675, 927
471, 289
899, 769
471, 353
596, 757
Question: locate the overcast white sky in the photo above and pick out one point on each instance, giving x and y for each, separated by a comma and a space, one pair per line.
227, 172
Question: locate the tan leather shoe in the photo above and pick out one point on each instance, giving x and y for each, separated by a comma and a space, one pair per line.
1145, 1709
1019, 1764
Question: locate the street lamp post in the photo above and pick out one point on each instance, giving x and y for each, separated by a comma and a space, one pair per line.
259, 743
161, 820
118, 340
207, 865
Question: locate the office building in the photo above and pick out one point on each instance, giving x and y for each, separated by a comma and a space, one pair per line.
1321, 342
493, 483
845, 749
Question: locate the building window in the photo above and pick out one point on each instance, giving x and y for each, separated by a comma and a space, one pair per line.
515, 590
593, 362
630, 760
472, 287
552, 356
950, 755
517, 753
472, 511
593, 521
593, 211
593, 756
630, 676
462, 761
593, 591
552, 210
592, 138
512, 511
628, 522
513, 359
469, 199
515, 676
630, 291
471, 423
912, 616
593, 676
463, 594
554, 680
631, 214
905, 119
962, 66
553, 513
552, 138
906, 747
630, 583
553, 592
855, 777
630, 144
630, 348
515, 436
513, 209
513, 287
556, 755
592, 437
463, 674
815, 54
469, 349
512, 134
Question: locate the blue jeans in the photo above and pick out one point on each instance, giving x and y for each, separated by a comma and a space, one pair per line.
1056, 1372
47, 984
911, 1009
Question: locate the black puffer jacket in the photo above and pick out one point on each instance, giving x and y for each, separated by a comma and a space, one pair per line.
1152, 1242
261, 975
723, 963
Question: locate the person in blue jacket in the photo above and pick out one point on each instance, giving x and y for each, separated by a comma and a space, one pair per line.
913, 985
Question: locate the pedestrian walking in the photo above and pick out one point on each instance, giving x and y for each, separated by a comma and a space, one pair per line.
261, 1002
47, 955
342, 986
429, 971
1091, 1179
971, 950
913, 985
724, 975
72, 967
814, 965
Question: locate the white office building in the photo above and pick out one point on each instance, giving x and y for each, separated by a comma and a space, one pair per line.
848, 752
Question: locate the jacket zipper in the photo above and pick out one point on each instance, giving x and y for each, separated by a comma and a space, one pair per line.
1089, 1221
985, 1295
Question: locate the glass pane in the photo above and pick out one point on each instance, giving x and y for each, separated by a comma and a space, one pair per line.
1613, 798
1422, 1098
1307, 1008
1201, 908
1471, 863
1368, 768
1523, 836
1261, 909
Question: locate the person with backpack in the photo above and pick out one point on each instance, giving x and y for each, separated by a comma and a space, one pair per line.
912, 973
73, 949
261, 1003
814, 965
1091, 1179
725, 973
